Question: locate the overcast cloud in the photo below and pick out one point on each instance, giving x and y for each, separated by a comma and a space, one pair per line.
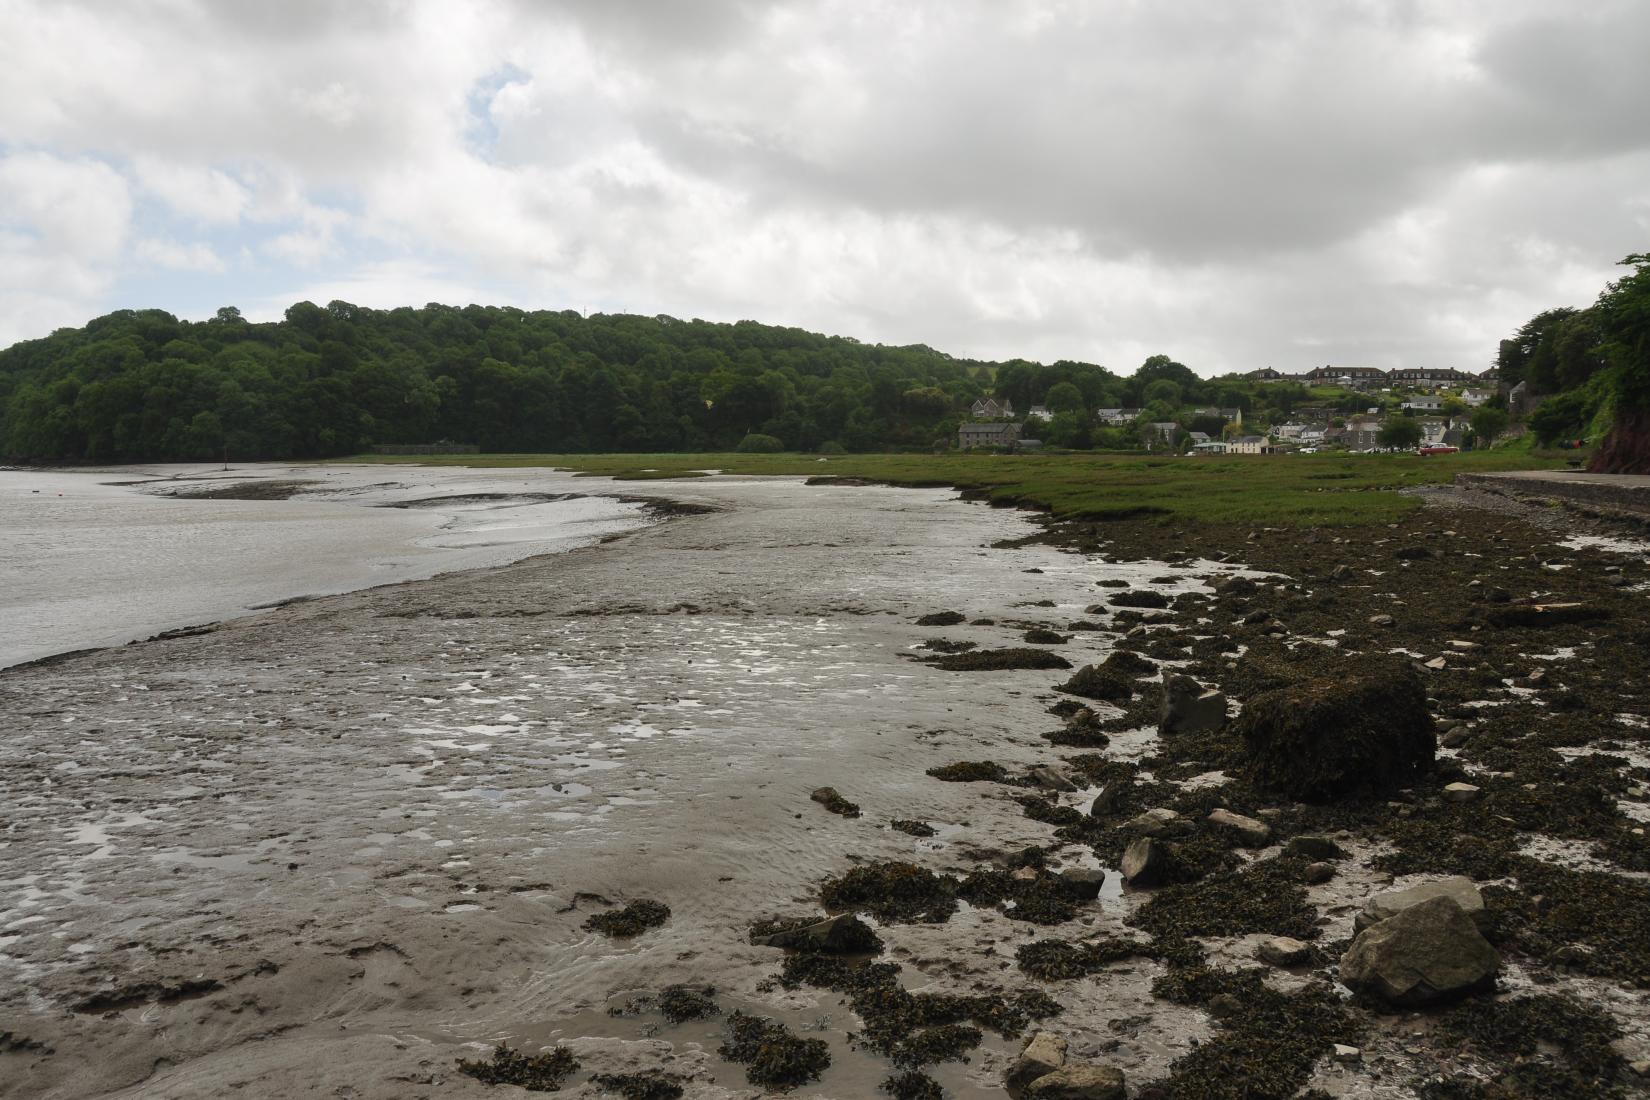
1235, 184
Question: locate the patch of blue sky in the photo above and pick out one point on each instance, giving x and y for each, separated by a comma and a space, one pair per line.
481, 130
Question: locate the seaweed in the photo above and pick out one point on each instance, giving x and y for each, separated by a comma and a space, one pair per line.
1099, 682
632, 920
912, 828
913, 1085
1042, 635
945, 645
998, 660
773, 1058
1542, 1045
894, 892
945, 1043
970, 771
1266, 896
545, 1072
1058, 960
942, 618
647, 1085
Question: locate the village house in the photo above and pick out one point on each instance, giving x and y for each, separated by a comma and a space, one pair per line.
1164, 430
992, 408
1360, 434
1477, 398
1212, 447
1424, 403
1246, 445
1039, 412
998, 433
1116, 418
1355, 378
1428, 376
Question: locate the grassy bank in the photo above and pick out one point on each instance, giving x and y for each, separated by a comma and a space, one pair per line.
1293, 490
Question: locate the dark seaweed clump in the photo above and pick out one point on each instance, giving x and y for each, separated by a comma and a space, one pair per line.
1050, 813
1542, 1046
1042, 635
913, 1085
773, 1058
893, 892
533, 1072
1265, 896
1269, 1040
632, 920
942, 618
1553, 907
945, 645
911, 828
1051, 960
946, 1043
1109, 685
832, 800
647, 1085
970, 771
687, 1002
997, 660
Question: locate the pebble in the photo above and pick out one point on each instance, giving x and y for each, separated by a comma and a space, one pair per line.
1344, 1053
1461, 792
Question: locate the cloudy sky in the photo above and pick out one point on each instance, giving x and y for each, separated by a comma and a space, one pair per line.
1236, 184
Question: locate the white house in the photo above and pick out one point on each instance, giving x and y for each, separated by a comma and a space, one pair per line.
1039, 412
1246, 445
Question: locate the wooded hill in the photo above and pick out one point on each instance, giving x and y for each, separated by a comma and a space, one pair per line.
145, 386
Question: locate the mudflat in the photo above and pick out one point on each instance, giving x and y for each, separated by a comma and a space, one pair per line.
336, 848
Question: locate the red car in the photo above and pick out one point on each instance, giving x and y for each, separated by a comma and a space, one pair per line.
1439, 450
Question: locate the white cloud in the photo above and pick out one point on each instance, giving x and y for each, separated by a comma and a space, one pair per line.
177, 256
1355, 180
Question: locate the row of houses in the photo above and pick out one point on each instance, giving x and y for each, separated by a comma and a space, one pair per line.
1372, 378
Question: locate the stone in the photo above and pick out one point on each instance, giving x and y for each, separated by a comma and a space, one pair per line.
1340, 572
1050, 778
1458, 888
1437, 664
1079, 1083
1109, 799
845, 934
1315, 873
1461, 792
1251, 833
1187, 707
1307, 846
1640, 1068
1381, 620
1344, 1053
1283, 951
1430, 953
1043, 1053
1107, 684
1455, 737
1329, 738
1160, 821
1082, 883
1146, 862
1139, 597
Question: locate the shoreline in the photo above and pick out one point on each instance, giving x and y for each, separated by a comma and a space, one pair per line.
982, 945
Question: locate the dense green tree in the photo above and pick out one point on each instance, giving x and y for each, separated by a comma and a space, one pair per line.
1401, 431
1487, 423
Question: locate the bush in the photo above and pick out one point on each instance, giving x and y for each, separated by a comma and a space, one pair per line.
757, 444
832, 447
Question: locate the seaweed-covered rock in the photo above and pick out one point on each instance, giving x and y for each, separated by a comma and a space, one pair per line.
893, 892
545, 1072
844, 934
1139, 597
1322, 739
942, 618
912, 827
970, 771
1099, 682
1187, 707
1250, 832
772, 1056
999, 660
831, 800
1308, 846
1050, 779
632, 920
1078, 1083
1430, 953
1129, 663
1042, 635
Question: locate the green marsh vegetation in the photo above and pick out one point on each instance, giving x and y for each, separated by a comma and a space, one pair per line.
1265, 490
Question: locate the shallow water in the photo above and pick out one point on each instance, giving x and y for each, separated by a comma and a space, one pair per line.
95, 558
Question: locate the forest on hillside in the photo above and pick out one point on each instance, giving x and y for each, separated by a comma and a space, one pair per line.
1589, 371
142, 385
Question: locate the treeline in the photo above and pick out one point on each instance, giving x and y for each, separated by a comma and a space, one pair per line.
1591, 369
145, 386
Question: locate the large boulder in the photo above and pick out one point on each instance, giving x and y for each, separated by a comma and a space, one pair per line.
1079, 1083
1043, 1053
1430, 953
1458, 888
1323, 739
1099, 682
844, 934
1187, 707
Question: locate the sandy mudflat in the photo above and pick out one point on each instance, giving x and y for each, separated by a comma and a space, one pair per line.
319, 850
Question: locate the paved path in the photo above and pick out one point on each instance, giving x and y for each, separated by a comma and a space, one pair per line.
1624, 492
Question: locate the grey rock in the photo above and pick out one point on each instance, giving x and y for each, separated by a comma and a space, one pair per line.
1307, 846
1283, 951
1083, 883
1160, 821
1079, 1083
1187, 707
1145, 862
1050, 778
1461, 792
1429, 953
1455, 737
1109, 799
1251, 832
1315, 873
1043, 1053
1381, 620
1457, 888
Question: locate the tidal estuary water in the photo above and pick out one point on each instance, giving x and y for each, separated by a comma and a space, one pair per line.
96, 558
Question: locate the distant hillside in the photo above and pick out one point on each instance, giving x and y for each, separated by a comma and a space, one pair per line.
1589, 369
144, 386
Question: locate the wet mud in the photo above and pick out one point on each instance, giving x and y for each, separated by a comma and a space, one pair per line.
363, 844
